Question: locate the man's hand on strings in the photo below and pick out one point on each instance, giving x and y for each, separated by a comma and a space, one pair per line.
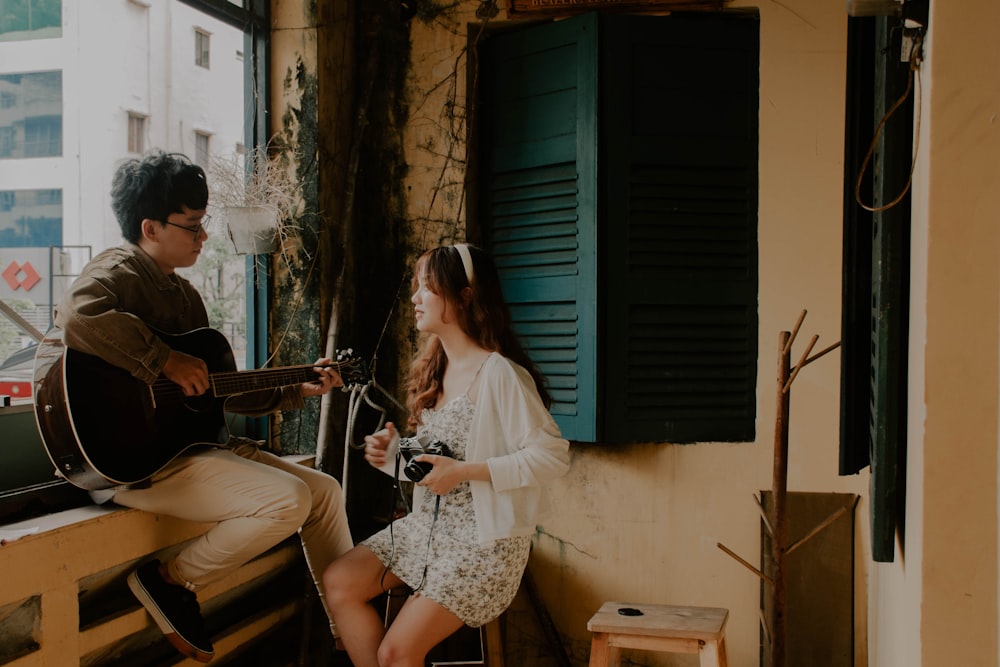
327, 378
190, 372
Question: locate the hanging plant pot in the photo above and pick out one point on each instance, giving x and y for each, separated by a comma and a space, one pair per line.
252, 229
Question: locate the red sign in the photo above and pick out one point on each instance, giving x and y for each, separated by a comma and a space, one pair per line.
15, 389
21, 276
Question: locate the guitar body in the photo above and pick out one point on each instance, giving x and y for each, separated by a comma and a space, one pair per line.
101, 427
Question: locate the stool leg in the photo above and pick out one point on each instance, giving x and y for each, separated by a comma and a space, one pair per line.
601, 653
712, 654
494, 644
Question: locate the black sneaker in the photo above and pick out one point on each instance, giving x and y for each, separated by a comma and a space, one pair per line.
174, 609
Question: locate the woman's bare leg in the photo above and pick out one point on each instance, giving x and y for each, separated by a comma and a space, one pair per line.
350, 583
418, 627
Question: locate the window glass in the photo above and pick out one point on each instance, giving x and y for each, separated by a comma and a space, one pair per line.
30, 19
136, 133
201, 48
201, 148
32, 116
30, 218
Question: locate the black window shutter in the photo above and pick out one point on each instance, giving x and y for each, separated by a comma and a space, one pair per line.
876, 276
679, 119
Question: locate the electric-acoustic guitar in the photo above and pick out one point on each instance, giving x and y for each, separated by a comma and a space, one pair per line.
102, 427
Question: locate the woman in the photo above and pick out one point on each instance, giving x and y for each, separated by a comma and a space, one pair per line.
464, 547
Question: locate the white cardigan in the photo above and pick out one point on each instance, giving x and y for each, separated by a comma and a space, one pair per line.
518, 439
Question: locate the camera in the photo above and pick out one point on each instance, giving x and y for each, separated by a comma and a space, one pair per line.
410, 448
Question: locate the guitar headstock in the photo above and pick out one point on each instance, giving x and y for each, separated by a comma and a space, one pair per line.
352, 368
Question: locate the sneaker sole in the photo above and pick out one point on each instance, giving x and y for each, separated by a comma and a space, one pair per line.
183, 646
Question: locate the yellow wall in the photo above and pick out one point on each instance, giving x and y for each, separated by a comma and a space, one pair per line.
641, 523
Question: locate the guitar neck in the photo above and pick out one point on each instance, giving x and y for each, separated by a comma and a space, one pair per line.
240, 382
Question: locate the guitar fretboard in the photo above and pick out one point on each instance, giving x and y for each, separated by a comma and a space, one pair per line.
229, 383
239, 382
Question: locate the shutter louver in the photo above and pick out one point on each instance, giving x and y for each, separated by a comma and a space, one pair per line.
540, 182
533, 240
680, 142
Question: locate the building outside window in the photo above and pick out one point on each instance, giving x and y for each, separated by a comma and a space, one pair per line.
6, 142
32, 120
30, 19
136, 133
201, 148
29, 219
43, 136
201, 48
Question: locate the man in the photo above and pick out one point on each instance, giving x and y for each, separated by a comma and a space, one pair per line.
113, 311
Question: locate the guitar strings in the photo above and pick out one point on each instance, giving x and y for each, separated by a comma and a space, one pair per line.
231, 382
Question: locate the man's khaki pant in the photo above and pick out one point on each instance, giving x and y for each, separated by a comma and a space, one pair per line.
256, 500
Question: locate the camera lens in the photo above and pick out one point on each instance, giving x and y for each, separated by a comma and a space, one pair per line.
417, 470
410, 448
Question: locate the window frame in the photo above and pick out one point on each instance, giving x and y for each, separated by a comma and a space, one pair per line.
202, 48
202, 147
54, 25
136, 141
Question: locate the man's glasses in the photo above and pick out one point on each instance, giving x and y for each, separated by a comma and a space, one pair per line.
196, 229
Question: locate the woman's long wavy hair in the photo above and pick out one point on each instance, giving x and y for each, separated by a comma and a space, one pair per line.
483, 315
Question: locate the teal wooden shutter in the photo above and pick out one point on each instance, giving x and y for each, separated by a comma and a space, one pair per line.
679, 109
538, 122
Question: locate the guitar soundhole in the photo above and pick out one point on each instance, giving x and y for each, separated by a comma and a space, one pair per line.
203, 403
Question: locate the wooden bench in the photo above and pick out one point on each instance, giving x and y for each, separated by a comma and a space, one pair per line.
64, 602
658, 627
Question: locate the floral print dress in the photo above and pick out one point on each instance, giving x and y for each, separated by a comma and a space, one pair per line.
435, 549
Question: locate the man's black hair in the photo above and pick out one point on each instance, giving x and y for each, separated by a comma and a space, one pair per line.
154, 187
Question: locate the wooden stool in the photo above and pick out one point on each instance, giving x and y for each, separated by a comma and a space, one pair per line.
493, 651
660, 627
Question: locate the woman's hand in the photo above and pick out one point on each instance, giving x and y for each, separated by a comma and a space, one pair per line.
377, 443
448, 472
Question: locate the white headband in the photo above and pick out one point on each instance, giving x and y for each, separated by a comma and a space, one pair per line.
463, 251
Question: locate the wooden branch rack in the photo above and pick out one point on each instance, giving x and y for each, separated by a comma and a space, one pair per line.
775, 518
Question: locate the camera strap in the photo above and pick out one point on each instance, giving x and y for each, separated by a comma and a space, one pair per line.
392, 518
430, 536
392, 537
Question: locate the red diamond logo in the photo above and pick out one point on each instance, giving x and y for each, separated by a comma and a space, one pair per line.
21, 276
